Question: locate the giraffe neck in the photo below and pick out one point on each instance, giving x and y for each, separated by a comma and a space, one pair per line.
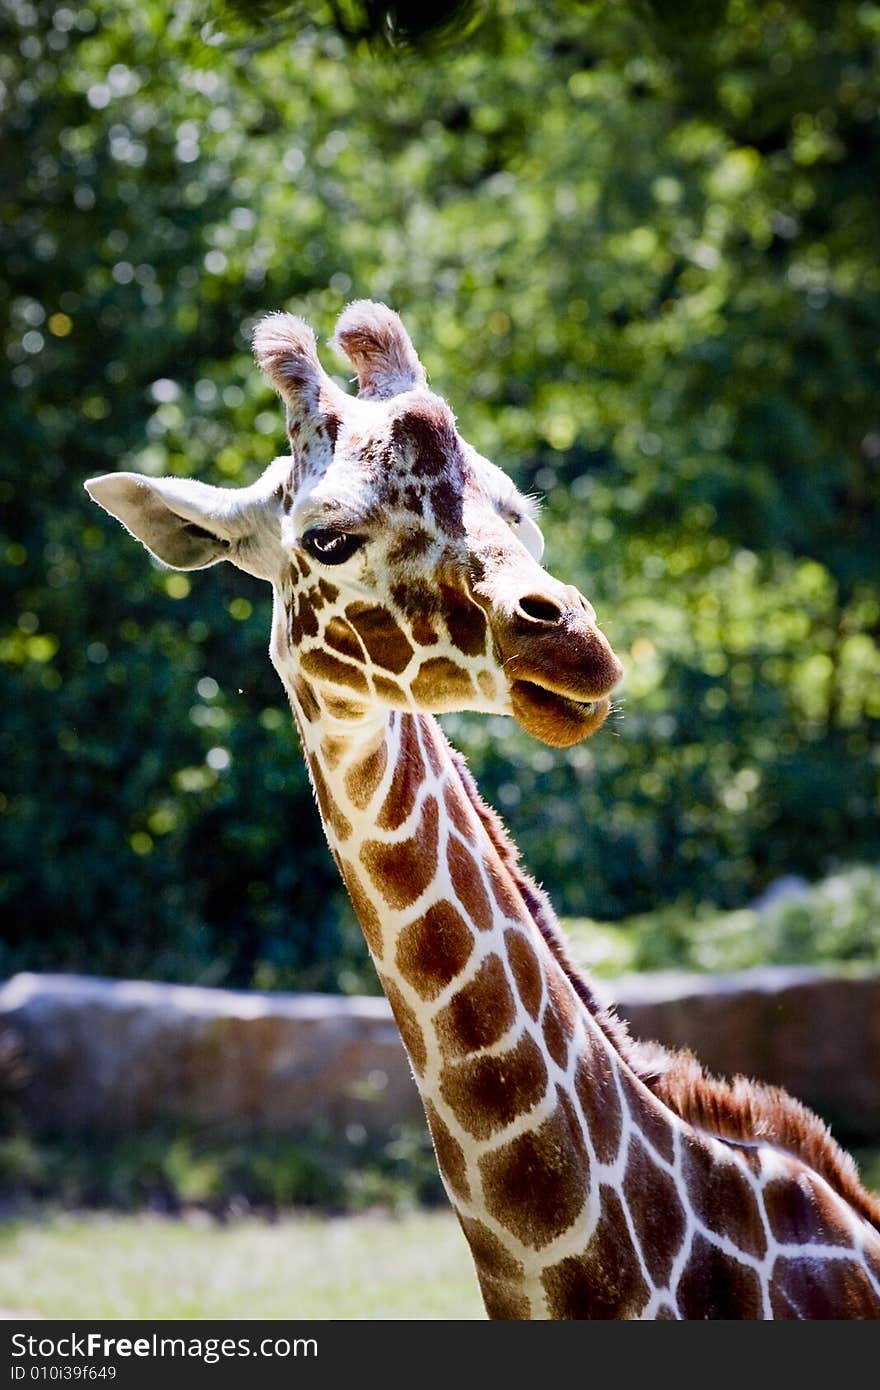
526, 1096
580, 1192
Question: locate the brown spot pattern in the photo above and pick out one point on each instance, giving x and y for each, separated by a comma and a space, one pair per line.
331, 426
487, 1093
722, 1198
339, 708
714, 1285
403, 869
487, 684
479, 1013
468, 887
488, 1252
422, 631
406, 783
364, 776
465, 620
339, 635
440, 682
415, 599
332, 668
389, 691
333, 750
821, 1289
449, 1153
412, 544
446, 506
498, 1271
600, 1104
554, 1037
305, 699
502, 1303
503, 889
412, 497
433, 949
653, 1123
563, 998
536, 1184
368, 917
382, 636
427, 428
334, 818
456, 809
306, 621
797, 1212
407, 1025
435, 745
294, 630
655, 1210
606, 1281
526, 970
314, 598
750, 1158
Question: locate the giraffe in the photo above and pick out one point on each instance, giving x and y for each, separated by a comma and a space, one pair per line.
594, 1177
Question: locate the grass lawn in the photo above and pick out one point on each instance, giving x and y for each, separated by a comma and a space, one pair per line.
61, 1265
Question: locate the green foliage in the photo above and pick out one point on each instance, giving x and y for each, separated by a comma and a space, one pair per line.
172, 1171
398, 24
636, 246
834, 923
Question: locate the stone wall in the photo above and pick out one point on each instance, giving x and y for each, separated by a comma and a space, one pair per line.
118, 1055
122, 1055
814, 1032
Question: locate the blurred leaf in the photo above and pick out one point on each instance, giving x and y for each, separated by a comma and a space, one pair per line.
638, 255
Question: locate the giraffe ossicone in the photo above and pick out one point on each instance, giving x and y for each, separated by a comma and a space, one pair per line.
592, 1177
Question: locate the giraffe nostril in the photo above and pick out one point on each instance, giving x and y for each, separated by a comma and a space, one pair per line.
540, 608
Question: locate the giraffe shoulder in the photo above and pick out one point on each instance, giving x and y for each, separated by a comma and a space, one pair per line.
748, 1111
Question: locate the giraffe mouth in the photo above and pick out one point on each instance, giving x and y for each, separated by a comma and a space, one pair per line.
554, 717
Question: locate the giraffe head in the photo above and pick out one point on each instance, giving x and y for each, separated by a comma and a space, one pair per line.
405, 566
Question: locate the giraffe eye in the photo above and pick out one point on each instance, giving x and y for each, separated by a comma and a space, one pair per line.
331, 547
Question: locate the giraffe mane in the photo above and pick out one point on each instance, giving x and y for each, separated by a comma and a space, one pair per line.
747, 1111
739, 1110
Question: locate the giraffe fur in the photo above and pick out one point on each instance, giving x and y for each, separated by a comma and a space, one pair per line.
594, 1177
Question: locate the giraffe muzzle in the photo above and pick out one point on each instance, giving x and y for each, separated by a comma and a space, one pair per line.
559, 666
556, 719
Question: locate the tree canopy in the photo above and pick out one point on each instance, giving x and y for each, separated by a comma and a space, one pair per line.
636, 247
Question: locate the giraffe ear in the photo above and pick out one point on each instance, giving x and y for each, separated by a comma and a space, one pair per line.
375, 341
527, 530
181, 521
